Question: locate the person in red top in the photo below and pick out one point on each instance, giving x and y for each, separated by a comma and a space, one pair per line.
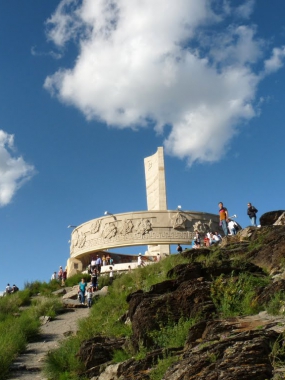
223, 218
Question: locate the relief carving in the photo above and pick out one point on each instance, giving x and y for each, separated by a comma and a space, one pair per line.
178, 221
127, 227
81, 240
203, 227
110, 230
144, 226
95, 227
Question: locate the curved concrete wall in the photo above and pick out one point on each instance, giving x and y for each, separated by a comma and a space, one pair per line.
140, 228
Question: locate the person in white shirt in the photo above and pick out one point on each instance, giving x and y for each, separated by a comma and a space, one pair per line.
8, 289
232, 227
93, 263
214, 238
111, 275
53, 276
140, 261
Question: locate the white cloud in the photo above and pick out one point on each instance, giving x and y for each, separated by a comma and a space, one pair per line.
14, 171
50, 53
161, 61
276, 61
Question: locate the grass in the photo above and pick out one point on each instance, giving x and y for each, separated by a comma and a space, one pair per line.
42, 288
236, 295
62, 363
172, 335
158, 372
276, 303
18, 327
104, 318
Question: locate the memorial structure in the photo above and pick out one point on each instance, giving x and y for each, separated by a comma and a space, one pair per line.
158, 227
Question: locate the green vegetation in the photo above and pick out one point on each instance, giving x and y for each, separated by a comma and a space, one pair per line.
172, 335
105, 315
276, 303
18, 327
236, 295
62, 363
43, 288
159, 370
277, 356
233, 295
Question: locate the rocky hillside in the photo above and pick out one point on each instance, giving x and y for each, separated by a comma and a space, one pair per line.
218, 315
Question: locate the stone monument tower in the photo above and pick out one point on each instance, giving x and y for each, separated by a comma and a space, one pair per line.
156, 192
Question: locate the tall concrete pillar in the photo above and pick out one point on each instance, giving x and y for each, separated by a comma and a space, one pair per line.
156, 192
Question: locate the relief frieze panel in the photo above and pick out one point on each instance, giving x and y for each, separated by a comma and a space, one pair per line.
110, 230
127, 227
144, 226
131, 229
95, 226
178, 221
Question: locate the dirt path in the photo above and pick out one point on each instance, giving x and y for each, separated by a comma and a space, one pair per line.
28, 366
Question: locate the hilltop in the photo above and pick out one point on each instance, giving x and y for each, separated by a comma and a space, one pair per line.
211, 313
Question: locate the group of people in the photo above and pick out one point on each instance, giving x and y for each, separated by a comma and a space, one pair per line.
85, 291
61, 275
229, 226
11, 289
97, 262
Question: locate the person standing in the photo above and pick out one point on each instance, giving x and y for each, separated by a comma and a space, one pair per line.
179, 249
98, 264
64, 277
111, 275
89, 296
8, 289
81, 288
60, 274
94, 280
197, 239
140, 261
223, 212
251, 212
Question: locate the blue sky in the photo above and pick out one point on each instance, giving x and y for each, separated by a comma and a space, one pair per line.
88, 89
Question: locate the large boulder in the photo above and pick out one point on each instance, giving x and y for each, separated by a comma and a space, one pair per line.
270, 217
223, 353
98, 351
149, 311
267, 247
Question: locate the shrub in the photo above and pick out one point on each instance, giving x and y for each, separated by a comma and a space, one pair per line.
157, 373
172, 335
43, 288
120, 356
236, 295
45, 306
75, 279
63, 362
276, 303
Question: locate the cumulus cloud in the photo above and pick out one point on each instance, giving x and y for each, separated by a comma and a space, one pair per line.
14, 171
185, 64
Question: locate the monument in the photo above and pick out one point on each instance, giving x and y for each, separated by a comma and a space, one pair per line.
158, 227
156, 193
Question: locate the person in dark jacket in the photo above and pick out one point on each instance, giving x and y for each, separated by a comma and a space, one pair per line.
251, 212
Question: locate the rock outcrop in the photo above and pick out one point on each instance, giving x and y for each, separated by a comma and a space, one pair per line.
216, 348
269, 218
